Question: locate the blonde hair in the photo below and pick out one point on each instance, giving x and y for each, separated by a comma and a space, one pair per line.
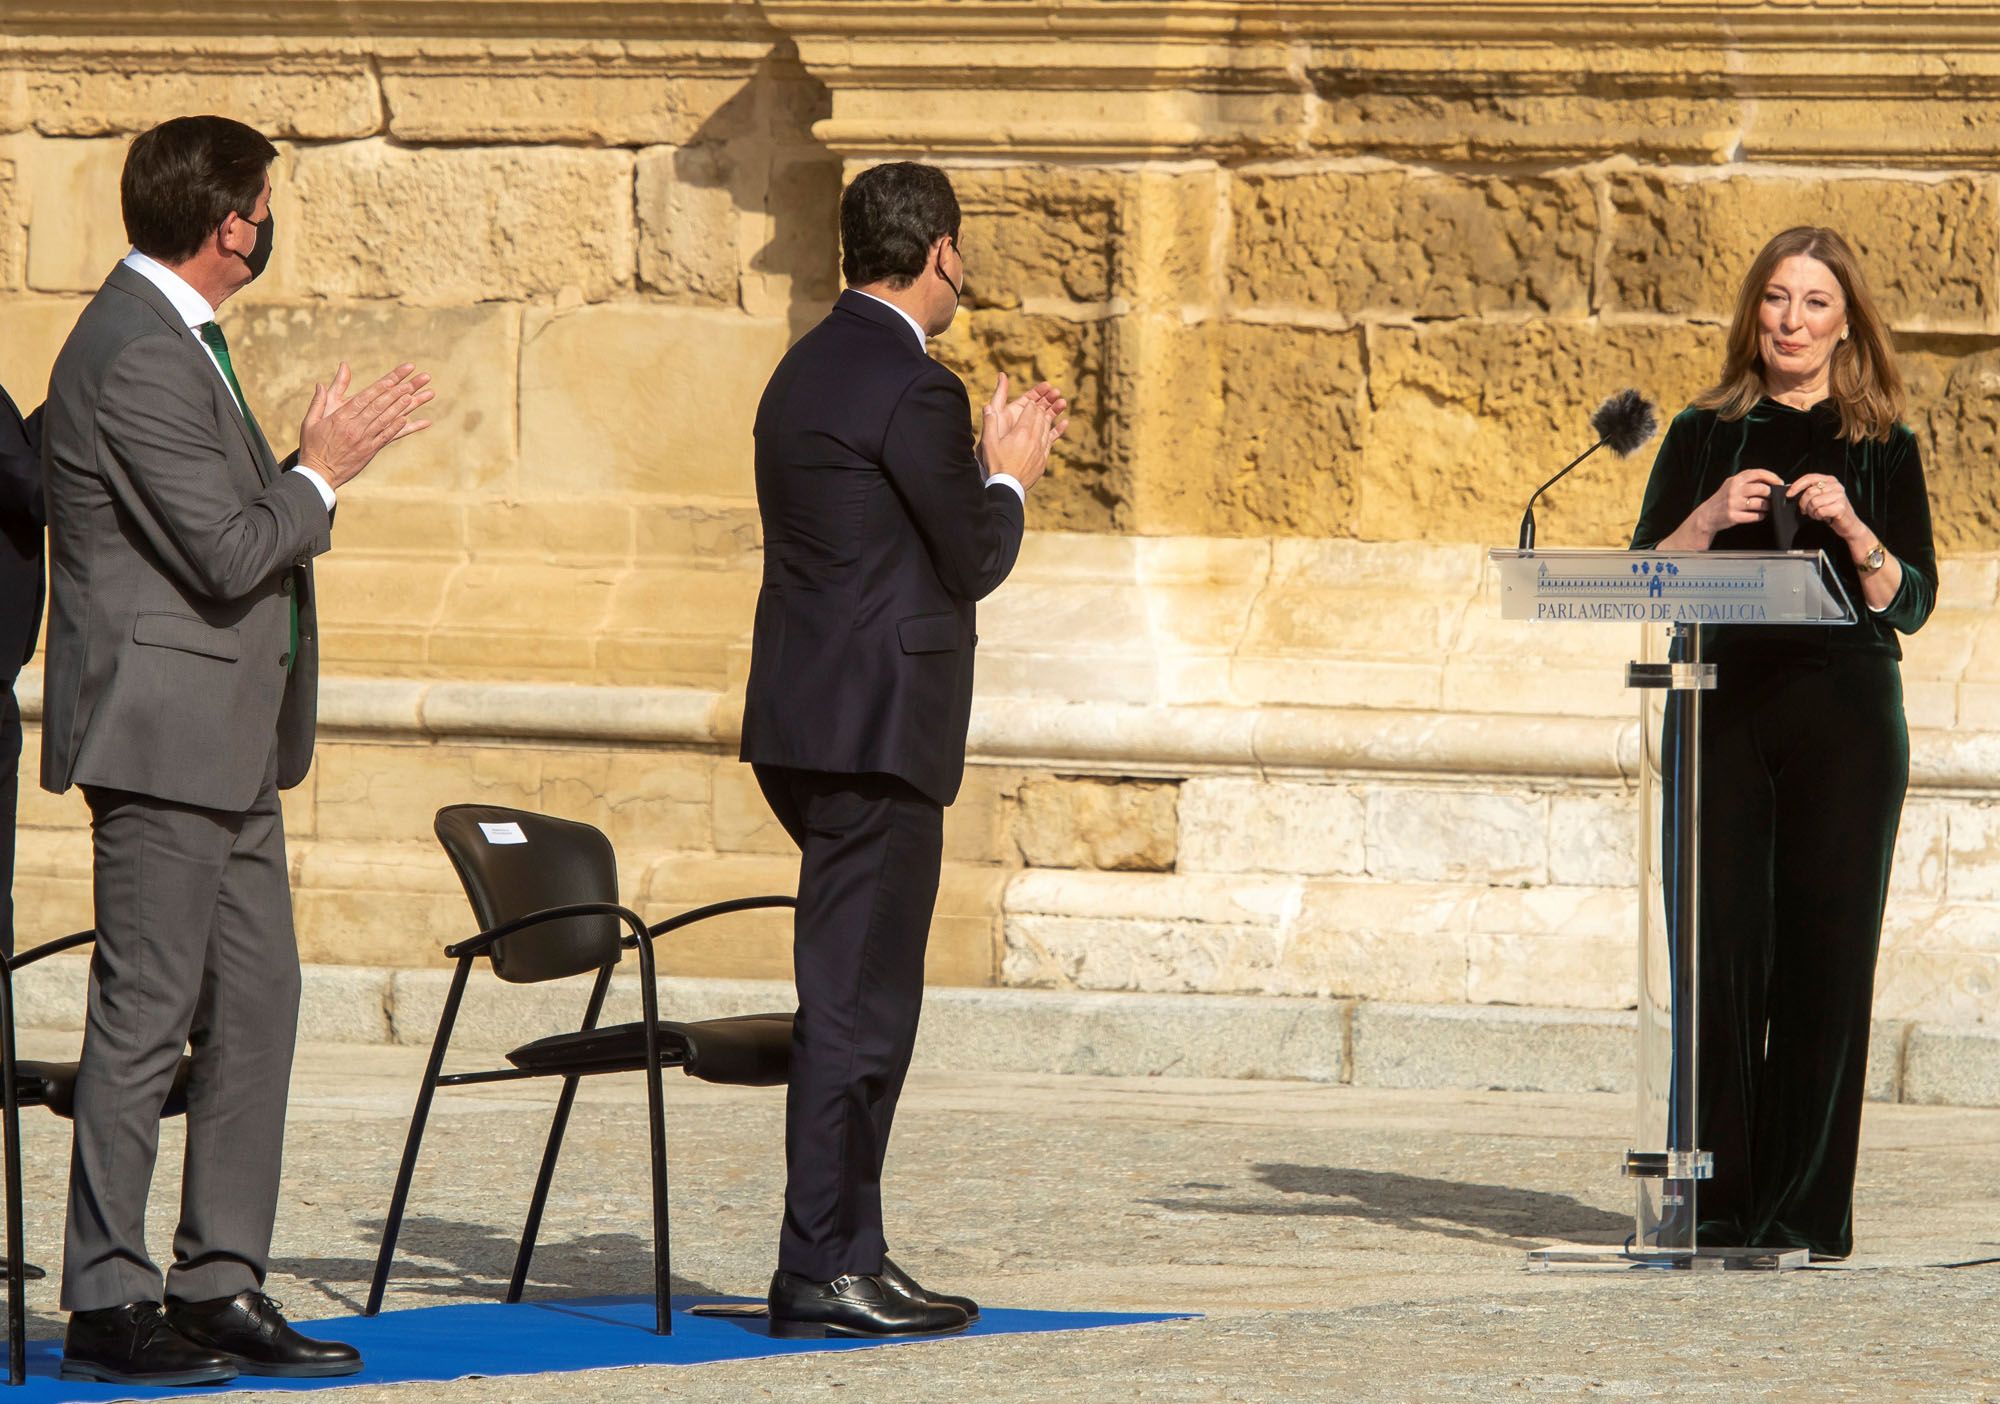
1862, 379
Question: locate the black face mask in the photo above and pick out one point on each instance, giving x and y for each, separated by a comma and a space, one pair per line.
259, 257
958, 288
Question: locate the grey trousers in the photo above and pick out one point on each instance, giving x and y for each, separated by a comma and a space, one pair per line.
194, 947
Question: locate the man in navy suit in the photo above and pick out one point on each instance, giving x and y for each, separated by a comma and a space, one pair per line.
883, 523
23, 518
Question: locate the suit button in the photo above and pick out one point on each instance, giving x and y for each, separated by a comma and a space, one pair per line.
285, 585
285, 659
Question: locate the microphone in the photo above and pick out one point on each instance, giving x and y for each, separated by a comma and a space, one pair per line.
1624, 422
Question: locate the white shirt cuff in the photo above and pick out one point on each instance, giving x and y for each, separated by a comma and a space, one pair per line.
1011, 481
325, 491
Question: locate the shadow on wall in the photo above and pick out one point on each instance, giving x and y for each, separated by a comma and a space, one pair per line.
1500, 1216
749, 208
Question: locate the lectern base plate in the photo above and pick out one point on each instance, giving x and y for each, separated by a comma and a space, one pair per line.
1590, 1255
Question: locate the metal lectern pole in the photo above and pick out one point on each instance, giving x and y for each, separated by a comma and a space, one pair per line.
1685, 1164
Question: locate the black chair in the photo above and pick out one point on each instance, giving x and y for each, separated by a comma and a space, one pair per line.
545, 894
39, 1084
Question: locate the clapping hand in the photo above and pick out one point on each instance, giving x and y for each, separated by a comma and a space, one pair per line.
1016, 435
342, 433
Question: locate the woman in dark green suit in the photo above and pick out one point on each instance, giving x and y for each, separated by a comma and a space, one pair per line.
1805, 752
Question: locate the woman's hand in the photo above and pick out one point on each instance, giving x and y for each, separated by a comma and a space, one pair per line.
1746, 497
1821, 498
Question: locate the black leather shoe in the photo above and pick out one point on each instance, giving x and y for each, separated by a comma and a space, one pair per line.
901, 1282
856, 1304
252, 1331
134, 1345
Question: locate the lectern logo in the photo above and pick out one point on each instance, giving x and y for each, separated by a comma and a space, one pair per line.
1656, 574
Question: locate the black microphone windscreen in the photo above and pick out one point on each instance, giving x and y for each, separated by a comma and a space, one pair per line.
1625, 421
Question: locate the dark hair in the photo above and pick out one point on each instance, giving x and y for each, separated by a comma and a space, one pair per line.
889, 218
183, 178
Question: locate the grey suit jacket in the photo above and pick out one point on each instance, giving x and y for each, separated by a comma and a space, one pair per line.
175, 538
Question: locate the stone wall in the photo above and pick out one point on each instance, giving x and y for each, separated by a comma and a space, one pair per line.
1333, 285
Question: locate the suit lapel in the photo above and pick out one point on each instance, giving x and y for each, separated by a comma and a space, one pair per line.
126, 280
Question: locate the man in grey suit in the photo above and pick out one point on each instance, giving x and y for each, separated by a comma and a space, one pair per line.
180, 694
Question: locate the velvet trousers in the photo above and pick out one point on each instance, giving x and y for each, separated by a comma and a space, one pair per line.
1804, 765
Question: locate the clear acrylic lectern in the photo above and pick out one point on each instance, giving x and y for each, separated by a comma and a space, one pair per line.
1670, 595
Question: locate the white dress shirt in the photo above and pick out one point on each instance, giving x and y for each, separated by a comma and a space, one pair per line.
923, 341
196, 312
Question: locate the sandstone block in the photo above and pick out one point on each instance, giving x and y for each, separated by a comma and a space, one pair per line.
690, 227
1956, 417
743, 820
1457, 835
1418, 245
282, 352
1087, 479
1147, 955
721, 535
76, 234
13, 228
1972, 861
1467, 419
610, 100
100, 88
392, 792
646, 802
1928, 247
37, 327
791, 265
548, 531
1355, 116
1125, 825
1921, 850
1238, 825
1951, 987
977, 825
642, 400
1599, 972
1039, 234
1594, 839
452, 226
1265, 425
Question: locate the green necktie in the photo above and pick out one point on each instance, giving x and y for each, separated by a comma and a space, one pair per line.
211, 333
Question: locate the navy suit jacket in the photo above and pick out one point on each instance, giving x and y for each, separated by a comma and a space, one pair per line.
23, 517
879, 534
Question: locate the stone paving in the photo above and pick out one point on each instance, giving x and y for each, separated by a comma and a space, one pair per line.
1342, 1243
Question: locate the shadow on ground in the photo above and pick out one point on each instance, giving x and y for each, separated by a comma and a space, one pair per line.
451, 1260
1499, 1215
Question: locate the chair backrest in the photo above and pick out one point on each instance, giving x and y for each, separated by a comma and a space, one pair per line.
511, 863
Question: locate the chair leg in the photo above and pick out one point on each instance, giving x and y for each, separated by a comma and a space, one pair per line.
656, 1127
533, 1228
17, 1306
393, 1225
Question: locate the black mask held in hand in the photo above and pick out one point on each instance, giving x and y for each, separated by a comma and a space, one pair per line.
259, 257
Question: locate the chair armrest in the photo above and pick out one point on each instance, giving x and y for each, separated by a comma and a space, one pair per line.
713, 909
55, 947
478, 945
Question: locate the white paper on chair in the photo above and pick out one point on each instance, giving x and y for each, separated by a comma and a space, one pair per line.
503, 833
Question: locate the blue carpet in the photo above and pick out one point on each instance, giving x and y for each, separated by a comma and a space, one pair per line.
588, 1333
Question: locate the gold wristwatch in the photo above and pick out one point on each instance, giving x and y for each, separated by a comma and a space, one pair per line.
1873, 561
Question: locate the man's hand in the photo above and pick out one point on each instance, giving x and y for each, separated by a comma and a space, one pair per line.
341, 434
1016, 435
